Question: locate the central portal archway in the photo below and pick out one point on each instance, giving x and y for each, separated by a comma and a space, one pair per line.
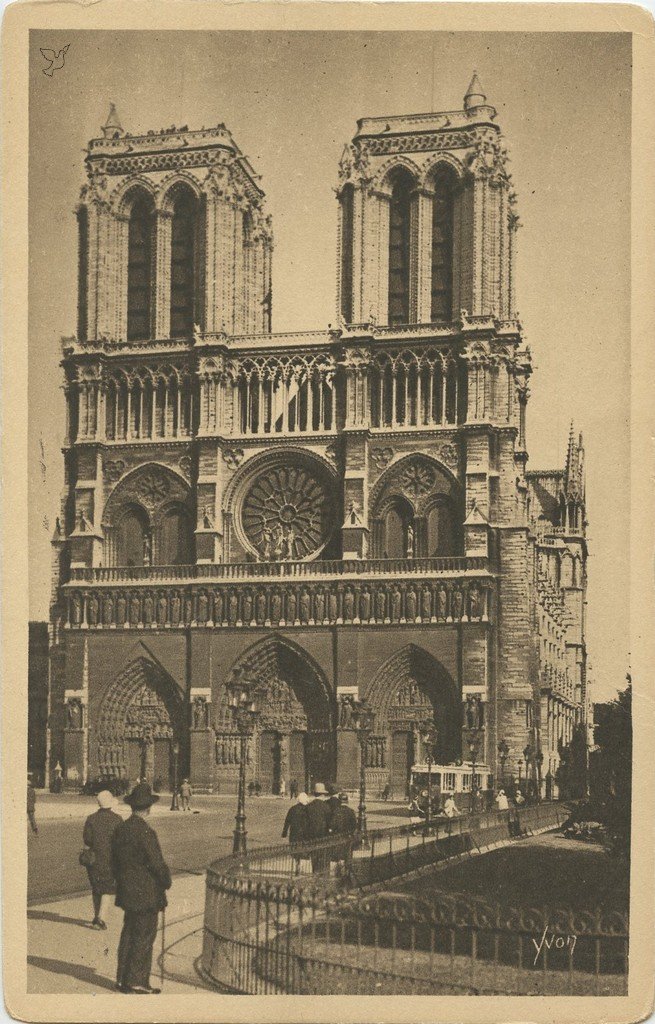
140, 719
410, 689
295, 733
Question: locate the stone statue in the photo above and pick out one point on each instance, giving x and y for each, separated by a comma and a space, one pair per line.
247, 606
175, 609
188, 609
74, 714
162, 610
108, 610
135, 610
333, 606
291, 606
474, 603
121, 609
261, 607
305, 607
276, 607
426, 604
147, 549
348, 605
410, 605
395, 604
206, 521
218, 607
76, 610
93, 609
442, 602
202, 607
380, 605
458, 603
319, 605
365, 605
233, 608
345, 712
200, 713
410, 541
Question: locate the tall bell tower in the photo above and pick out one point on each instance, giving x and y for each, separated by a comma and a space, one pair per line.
427, 218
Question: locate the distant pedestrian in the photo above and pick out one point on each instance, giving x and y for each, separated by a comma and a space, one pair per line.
293, 789
450, 808
519, 799
142, 878
296, 823
502, 803
99, 829
31, 807
186, 792
416, 812
343, 823
386, 792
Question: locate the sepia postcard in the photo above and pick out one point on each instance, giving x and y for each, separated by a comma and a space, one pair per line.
327, 400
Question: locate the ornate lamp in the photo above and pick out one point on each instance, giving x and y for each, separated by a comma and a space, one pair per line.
474, 746
429, 736
243, 695
503, 753
362, 719
175, 806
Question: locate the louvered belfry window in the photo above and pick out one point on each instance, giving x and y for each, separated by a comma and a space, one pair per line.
139, 269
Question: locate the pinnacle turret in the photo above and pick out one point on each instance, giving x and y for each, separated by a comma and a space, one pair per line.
113, 128
475, 96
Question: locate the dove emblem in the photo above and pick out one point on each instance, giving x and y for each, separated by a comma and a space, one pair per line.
55, 60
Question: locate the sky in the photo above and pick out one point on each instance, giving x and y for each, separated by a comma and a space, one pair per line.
291, 101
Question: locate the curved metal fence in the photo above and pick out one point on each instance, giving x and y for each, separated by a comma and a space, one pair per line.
320, 919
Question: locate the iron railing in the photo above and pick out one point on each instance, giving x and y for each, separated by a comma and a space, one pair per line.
320, 919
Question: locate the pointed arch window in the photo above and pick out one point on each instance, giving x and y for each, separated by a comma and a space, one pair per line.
347, 216
184, 230
399, 247
139, 268
442, 244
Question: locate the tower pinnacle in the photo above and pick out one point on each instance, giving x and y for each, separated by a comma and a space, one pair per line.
474, 97
113, 128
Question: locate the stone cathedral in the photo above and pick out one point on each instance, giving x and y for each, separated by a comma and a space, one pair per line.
336, 513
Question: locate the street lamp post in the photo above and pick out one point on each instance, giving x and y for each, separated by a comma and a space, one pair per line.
540, 761
520, 765
362, 719
175, 806
242, 694
474, 741
528, 753
429, 740
503, 753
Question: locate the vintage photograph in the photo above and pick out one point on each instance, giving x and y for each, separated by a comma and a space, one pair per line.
330, 681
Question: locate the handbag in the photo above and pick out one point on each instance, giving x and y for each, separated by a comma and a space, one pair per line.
87, 857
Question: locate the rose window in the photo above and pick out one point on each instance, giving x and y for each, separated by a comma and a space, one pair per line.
288, 514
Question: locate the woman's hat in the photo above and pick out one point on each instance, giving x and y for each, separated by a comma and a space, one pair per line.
319, 789
141, 797
105, 799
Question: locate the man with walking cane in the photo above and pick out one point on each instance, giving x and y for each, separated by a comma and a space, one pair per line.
142, 878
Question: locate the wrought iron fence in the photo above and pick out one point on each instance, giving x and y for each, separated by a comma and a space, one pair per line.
320, 919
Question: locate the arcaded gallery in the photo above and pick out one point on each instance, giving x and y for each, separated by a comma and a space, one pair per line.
332, 515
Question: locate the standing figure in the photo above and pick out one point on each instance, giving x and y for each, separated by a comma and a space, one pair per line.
142, 878
97, 836
186, 792
410, 541
31, 807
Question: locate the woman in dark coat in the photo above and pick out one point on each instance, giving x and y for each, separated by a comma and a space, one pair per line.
98, 831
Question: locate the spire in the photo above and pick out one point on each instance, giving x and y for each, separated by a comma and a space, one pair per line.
568, 468
474, 97
113, 128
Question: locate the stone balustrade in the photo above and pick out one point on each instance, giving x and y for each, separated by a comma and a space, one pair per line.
281, 570
161, 604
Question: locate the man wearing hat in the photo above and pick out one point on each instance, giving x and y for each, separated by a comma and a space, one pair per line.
142, 878
318, 823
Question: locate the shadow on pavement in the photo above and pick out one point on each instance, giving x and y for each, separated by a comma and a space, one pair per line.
86, 974
47, 915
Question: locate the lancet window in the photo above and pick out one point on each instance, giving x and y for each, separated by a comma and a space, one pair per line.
399, 247
184, 270
139, 268
347, 211
412, 390
442, 244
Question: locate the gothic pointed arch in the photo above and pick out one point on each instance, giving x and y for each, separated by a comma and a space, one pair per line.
417, 504
296, 727
413, 687
153, 507
184, 204
141, 249
402, 184
140, 716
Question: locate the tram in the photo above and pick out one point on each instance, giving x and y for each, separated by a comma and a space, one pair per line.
451, 778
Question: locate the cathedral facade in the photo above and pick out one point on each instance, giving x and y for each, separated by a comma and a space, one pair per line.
336, 513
